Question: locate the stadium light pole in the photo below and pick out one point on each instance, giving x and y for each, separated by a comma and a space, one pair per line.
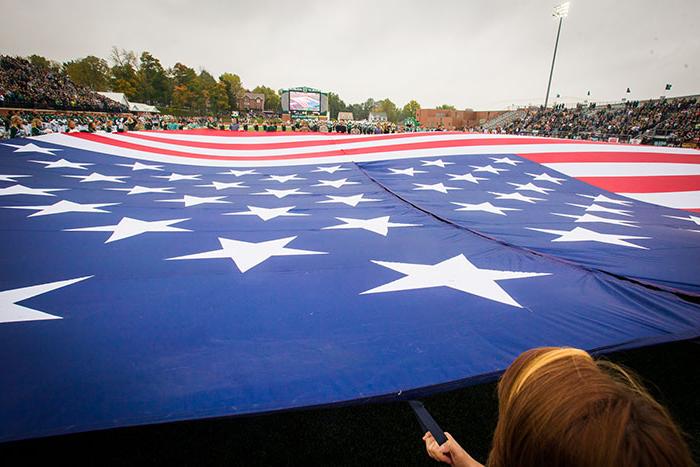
560, 11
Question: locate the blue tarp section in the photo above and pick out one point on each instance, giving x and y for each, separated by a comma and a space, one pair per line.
212, 321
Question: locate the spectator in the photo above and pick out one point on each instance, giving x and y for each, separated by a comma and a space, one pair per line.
560, 407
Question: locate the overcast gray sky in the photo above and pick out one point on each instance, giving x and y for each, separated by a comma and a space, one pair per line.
482, 54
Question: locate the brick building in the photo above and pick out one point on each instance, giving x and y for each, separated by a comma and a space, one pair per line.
253, 101
454, 119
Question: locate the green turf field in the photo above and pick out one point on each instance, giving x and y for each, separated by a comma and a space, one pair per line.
368, 434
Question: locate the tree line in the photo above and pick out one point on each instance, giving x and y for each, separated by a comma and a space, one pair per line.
181, 90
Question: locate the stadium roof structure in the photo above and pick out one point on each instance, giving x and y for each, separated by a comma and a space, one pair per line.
139, 107
162, 276
118, 97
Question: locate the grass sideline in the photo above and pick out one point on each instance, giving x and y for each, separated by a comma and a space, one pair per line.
370, 434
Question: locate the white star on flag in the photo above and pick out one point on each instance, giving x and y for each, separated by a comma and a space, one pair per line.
598, 208
62, 207
267, 213
282, 193
224, 186
352, 200
435, 187
467, 177
409, 171
605, 199
487, 168
330, 170
584, 218
579, 234
436, 163
10, 178
128, 227
140, 166
189, 200
283, 178
545, 177
174, 177
516, 197
505, 160
98, 177
484, 207
239, 173
10, 312
530, 187
63, 164
378, 225
247, 255
31, 147
336, 183
456, 273
690, 218
139, 190
25, 190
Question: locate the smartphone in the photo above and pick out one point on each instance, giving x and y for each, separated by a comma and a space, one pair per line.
427, 422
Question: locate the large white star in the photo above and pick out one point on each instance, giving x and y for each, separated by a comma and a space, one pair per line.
331, 170
352, 200
605, 199
409, 171
505, 160
587, 218
435, 187
174, 177
128, 227
31, 147
282, 193
341, 182
690, 218
267, 213
599, 208
283, 178
487, 168
545, 177
530, 187
456, 273
579, 234
189, 200
224, 185
378, 225
467, 177
516, 196
247, 255
139, 190
239, 173
10, 312
25, 190
63, 164
140, 166
485, 207
11, 178
436, 163
98, 177
62, 207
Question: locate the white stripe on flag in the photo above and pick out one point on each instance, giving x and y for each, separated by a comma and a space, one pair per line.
677, 200
623, 169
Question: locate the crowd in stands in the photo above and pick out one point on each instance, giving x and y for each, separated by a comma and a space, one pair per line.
672, 121
26, 85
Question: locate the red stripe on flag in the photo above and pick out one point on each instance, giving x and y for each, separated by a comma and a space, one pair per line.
555, 157
328, 142
649, 184
692, 209
329, 153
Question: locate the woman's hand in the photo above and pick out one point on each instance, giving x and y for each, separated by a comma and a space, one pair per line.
449, 453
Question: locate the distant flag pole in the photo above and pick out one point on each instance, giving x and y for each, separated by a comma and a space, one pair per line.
560, 11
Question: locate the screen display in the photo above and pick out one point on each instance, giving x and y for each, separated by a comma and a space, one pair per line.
305, 101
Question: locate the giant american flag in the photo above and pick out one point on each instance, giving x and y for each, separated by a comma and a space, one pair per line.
159, 276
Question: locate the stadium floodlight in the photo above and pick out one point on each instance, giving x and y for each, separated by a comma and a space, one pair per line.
561, 12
